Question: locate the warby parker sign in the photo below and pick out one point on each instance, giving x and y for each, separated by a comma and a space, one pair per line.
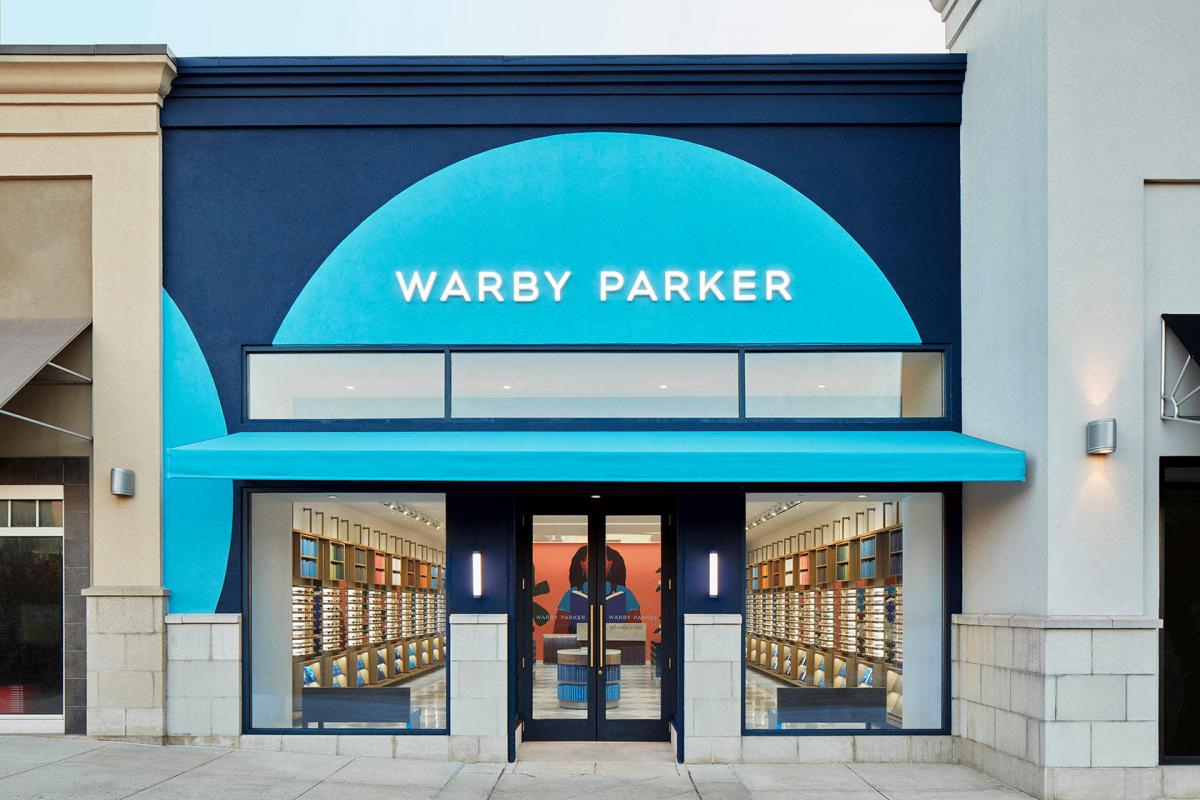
598, 238
531, 286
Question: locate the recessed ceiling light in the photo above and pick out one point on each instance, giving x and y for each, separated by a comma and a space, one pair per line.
333, 497
595, 497
862, 497
506, 386
351, 388
662, 386
822, 386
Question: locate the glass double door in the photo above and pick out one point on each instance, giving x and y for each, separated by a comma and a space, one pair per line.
597, 663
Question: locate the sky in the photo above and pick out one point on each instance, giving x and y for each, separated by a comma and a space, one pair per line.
480, 27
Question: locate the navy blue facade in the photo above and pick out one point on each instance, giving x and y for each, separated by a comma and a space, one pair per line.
269, 164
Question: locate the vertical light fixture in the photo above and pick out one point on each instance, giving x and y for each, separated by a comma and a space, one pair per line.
476, 574
1101, 437
122, 480
713, 564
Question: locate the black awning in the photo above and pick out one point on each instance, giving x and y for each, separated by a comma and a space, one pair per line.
1186, 328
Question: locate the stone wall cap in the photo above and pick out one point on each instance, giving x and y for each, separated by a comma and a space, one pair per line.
203, 619
86, 50
478, 619
712, 619
1058, 621
126, 591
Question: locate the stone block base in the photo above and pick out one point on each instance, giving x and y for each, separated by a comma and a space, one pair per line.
204, 679
1058, 706
126, 662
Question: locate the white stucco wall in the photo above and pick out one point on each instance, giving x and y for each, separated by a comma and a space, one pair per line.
1072, 112
1004, 299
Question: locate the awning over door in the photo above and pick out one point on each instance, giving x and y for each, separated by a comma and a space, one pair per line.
1186, 328
599, 456
1180, 393
28, 346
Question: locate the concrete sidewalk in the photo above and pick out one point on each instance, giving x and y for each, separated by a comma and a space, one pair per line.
83, 769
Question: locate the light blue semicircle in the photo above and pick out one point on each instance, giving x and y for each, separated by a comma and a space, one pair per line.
587, 202
197, 514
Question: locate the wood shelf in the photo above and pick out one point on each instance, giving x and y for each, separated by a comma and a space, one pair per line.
360, 616
831, 615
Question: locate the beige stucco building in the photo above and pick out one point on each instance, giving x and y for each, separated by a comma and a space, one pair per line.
81, 265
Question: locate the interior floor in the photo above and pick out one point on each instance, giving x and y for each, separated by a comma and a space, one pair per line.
641, 694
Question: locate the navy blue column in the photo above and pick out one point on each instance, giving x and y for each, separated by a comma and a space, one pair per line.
480, 519
707, 519
711, 519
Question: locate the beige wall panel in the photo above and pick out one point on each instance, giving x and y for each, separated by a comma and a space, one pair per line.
77, 119
46, 248
127, 351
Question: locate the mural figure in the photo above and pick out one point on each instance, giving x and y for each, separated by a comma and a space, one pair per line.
619, 601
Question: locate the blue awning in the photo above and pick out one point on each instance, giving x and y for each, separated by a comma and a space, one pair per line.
601, 456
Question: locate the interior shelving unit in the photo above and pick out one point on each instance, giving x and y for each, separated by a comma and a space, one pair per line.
364, 615
831, 614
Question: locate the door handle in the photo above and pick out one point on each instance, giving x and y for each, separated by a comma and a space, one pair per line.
600, 641
591, 637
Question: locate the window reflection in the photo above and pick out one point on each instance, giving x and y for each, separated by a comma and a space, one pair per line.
348, 623
838, 385
31, 624
844, 611
345, 385
594, 385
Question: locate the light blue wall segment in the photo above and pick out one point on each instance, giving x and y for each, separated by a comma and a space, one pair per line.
197, 514
618, 456
587, 202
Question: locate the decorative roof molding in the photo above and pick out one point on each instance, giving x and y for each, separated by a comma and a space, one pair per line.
97, 76
52, 90
955, 14
567, 90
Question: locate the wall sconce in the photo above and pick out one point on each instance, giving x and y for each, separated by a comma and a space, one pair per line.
713, 564
476, 574
1101, 437
122, 481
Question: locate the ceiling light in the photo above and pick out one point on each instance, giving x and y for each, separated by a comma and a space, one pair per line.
506, 386
662, 386
862, 497
351, 388
595, 497
822, 386
333, 497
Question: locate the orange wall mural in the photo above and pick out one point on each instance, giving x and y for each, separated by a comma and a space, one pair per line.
552, 561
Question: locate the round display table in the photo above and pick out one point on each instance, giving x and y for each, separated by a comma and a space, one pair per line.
574, 675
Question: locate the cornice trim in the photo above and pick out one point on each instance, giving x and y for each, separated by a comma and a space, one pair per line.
938, 73
90, 79
567, 90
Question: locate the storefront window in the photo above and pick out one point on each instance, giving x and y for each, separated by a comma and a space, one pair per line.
345, 385
348, 611
594, 385
833, 385
31, 607
844, 611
